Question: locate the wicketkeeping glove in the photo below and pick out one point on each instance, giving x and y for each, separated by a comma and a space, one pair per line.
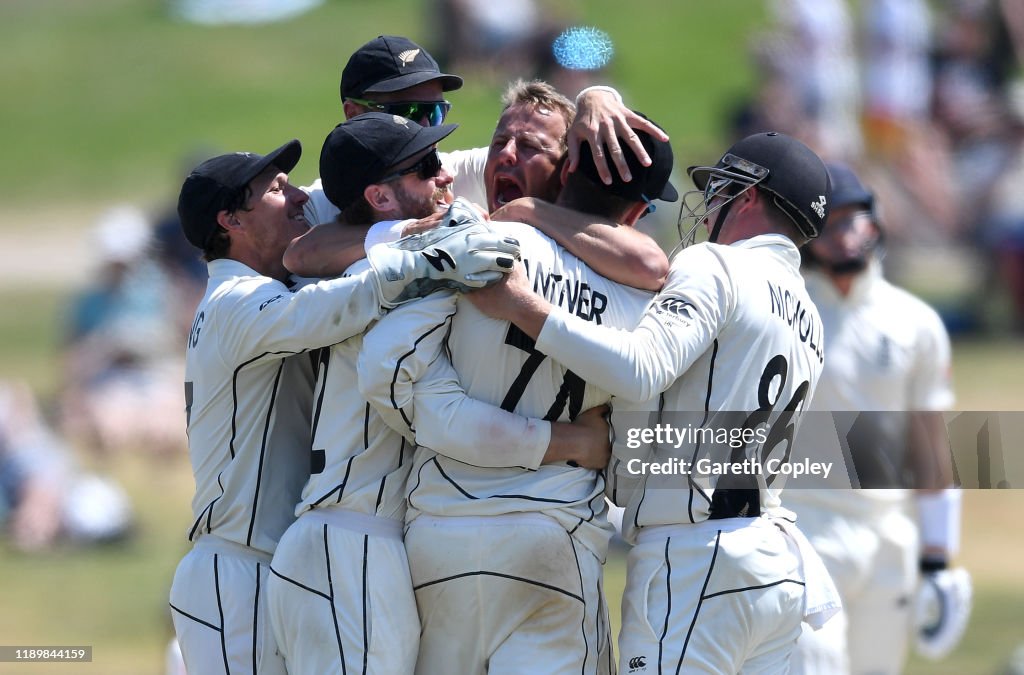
462, 254
941, 611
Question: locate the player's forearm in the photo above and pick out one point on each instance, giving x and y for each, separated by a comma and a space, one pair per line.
930, 454
326, 250
623, 363
620, 253
627, 364
269, 319
528, 311
478, 433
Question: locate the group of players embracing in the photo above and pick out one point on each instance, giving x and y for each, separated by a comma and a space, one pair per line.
402, 419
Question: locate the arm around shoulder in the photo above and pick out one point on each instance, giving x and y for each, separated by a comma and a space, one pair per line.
621, 253
326, 250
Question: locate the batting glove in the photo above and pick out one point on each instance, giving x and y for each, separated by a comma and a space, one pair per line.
941, 611
462, 254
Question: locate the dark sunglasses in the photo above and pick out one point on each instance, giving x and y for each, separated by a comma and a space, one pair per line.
428, 167
434, 112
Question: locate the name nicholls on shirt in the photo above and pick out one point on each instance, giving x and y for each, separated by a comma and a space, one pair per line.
562, 290
805, 323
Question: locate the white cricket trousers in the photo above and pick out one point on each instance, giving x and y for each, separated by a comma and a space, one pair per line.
507, 595
218, 604
340, 596
722, 596
873, 559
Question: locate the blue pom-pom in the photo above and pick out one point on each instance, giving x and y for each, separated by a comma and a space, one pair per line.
583, 48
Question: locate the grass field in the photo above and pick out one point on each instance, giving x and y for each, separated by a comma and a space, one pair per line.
107, 97
104, 100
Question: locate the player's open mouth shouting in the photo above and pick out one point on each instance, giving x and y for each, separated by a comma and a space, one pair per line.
505, 188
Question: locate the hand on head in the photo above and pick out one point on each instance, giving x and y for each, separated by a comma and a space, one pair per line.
601, 120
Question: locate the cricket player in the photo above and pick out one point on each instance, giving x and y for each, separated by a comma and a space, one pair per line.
718, 580
394, 75
888, 549
249, 381
506, 560
340, 596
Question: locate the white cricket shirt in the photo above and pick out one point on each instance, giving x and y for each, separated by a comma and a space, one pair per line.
497, 364
732, 332
887, 351
248, 394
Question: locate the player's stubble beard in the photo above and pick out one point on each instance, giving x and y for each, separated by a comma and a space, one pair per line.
421, 206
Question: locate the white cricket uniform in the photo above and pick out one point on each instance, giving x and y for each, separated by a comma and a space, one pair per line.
887, 351
340, 596
731, 336
248, 396
465, 166
506, 562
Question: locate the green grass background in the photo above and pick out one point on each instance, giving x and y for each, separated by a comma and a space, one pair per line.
102, 100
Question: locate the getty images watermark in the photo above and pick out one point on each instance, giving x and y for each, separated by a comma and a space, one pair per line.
665, 435
858, 449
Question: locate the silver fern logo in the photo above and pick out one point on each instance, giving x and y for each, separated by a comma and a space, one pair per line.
398, 119
819, 206
408, 56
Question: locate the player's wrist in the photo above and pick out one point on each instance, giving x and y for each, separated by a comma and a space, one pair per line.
939, 518
563, 445
598, 89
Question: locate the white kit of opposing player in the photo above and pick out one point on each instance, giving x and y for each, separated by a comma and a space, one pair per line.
887, 351
690, 602
466, 167
248, 394
506, 562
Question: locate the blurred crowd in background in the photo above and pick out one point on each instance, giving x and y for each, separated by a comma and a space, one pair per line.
925, 99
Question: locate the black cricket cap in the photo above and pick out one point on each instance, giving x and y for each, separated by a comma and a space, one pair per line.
648, 181
213, 185
361, 151
390, 63
785, 168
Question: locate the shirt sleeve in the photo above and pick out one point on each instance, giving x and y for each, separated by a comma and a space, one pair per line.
396, 353
678, 326
932, 384
384, 232
467, 170
406, 375
452, 424
318, 209
268, 318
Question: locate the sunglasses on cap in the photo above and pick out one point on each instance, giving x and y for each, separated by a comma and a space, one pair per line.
434, 112
428, 167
